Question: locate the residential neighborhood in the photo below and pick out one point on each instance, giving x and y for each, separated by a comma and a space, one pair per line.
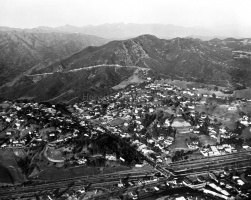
160, 122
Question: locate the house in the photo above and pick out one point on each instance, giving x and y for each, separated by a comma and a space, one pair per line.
232, 108
110, 157
246, 147
8, 133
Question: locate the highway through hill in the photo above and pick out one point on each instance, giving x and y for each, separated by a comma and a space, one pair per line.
180, 169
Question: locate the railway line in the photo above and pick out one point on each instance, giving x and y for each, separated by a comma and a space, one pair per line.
93, 178
31, 192
230, 162
211, 159
239, 160
215, 167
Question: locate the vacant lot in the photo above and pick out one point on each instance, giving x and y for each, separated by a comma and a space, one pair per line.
221, 113
246, 93
206, 140
178, 83
135, 78
117, 122
190, 84
180, 141
210, 92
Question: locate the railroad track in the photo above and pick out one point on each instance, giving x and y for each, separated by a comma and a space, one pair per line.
63, 185
239, 160
219, 162
210, 159
94, 178
216, 167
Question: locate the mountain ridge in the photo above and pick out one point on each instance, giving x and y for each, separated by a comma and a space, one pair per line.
21, 51
129, 30
186, 57
98, 69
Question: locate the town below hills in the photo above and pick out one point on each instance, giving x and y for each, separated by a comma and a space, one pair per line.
83, 117
161, 134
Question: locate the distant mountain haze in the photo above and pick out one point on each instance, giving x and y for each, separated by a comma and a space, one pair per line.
125, 31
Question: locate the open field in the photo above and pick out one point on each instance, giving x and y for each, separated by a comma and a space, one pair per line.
135, 78
221, 113
117, 121
188, 84
210, 92
180, 141
246, 93
206, 140
178, 83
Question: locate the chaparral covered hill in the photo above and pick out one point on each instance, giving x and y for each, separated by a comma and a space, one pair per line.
212, 61
20, 50
221, 62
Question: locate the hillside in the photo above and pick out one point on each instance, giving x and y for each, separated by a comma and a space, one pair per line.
97, 69
20, 51
73, 85
192, 59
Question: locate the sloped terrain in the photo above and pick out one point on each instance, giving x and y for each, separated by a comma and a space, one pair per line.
72, 85
96, 69
20, 51
72, 139
209, 62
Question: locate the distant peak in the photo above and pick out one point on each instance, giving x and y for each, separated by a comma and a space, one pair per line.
148, 36
66, 26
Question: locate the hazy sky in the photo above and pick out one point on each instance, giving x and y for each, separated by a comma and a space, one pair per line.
207, 13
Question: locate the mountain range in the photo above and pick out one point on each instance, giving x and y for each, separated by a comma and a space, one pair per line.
98, 69
131, 30
20, 51
212, 61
